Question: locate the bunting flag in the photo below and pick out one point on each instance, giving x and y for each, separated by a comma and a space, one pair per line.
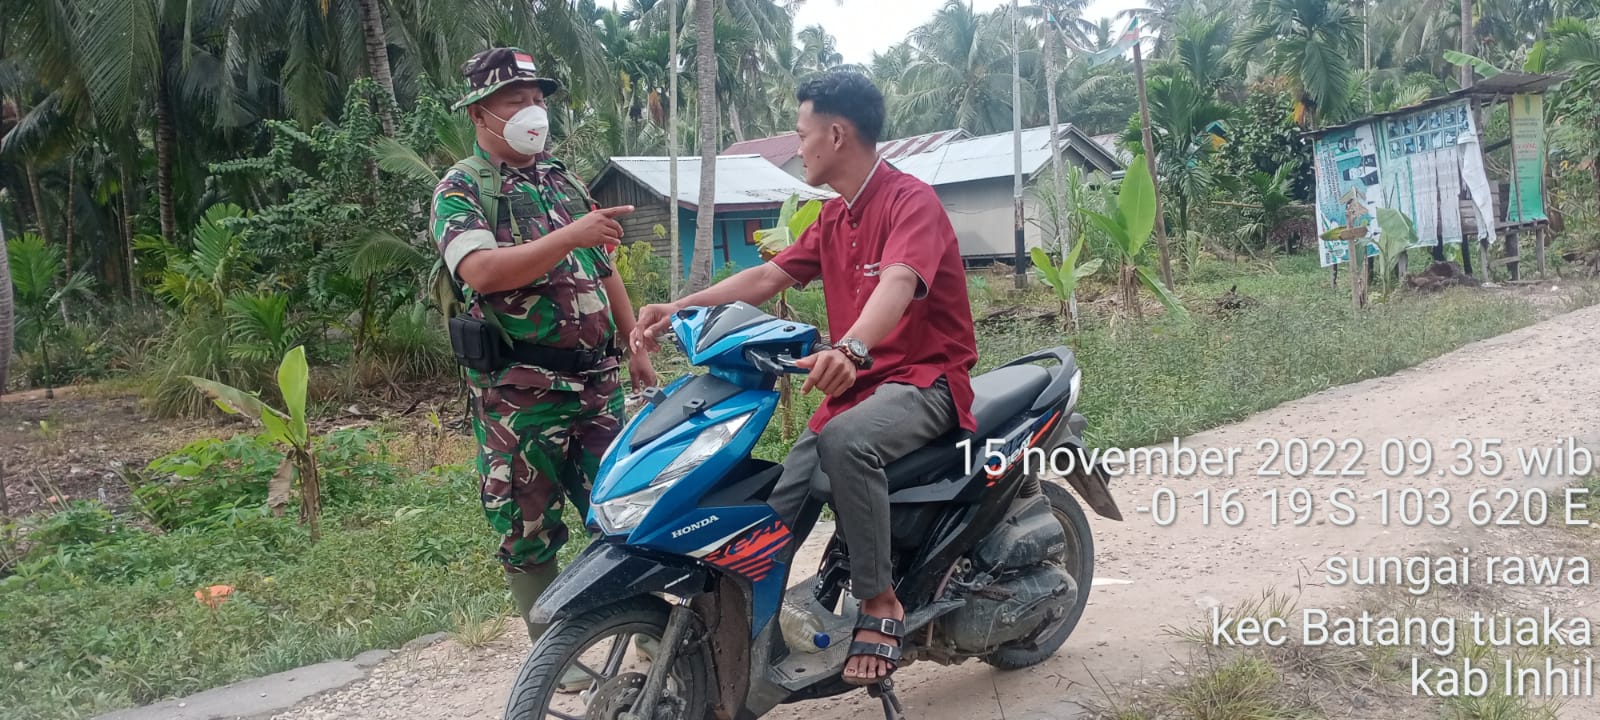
1122, 44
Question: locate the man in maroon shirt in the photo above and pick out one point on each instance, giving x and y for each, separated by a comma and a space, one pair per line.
899, 376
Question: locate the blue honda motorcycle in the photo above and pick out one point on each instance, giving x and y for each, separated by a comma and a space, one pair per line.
690, 567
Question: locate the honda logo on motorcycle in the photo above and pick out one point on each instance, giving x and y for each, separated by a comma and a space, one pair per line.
685, 531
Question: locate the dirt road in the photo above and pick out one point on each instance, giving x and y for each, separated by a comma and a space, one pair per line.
1528, 390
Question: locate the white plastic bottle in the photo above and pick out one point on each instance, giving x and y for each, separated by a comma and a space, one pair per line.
801, 629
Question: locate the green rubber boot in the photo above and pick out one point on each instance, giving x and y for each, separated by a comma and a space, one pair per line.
526, 587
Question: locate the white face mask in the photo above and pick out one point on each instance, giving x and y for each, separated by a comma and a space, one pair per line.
527, 130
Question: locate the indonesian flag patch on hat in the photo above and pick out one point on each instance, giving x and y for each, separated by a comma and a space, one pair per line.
492, 69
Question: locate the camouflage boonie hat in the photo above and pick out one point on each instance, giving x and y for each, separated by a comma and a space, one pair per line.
496, 68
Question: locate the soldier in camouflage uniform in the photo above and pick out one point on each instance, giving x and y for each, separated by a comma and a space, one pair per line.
542, 271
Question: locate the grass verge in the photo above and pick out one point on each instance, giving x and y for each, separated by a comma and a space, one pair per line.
105, 616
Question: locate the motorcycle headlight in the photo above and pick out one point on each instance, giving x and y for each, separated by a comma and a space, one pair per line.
622, 514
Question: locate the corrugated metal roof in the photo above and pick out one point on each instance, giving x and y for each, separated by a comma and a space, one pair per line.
904, 147
1112, 142
777, 149
979, 158
1505, 83
744, 182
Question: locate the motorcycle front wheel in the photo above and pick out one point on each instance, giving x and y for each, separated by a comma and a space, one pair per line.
597, 645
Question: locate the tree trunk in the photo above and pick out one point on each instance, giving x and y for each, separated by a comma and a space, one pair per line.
674, 240
1466, 41
126, 191
706, 78
166, 144
734, 121
72, 184
1128, 283
37, 199
1051, 76
378, 60
7, 319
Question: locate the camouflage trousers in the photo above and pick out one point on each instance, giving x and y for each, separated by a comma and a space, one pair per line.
538, 449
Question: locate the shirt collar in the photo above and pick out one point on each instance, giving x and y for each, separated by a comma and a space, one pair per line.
862, 195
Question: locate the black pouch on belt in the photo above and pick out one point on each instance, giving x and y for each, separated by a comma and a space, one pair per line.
477, 344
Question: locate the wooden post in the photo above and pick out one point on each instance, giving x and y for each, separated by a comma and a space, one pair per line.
5, 502
1540, 235
1513, 250
1466, 253
1483, 259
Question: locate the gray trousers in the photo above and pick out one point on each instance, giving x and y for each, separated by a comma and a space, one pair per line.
849, 456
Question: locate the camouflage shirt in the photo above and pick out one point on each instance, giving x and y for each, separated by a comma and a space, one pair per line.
566, 308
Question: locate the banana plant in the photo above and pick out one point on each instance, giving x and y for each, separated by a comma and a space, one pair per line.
1129, 224
1064, 279
793, 220
1395, 236
287, 427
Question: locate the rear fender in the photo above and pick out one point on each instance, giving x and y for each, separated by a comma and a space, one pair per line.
605, 573
1088, 478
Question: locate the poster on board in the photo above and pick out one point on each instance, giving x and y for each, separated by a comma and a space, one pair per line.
1348, 188
1427, 156
1526, 203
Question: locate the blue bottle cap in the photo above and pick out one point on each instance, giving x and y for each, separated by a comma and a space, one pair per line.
821, 640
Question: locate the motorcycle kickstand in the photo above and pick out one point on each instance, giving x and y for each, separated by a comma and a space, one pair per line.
884, 691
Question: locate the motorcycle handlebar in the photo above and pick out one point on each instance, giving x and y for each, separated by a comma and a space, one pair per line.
768, 362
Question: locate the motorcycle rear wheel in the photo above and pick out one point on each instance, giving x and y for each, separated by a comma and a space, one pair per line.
574, 640
1077, 558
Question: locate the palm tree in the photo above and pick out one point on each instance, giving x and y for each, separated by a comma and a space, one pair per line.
818, 52
1058, 20
1310, 42
377, 45
35, 267
7, 319
1181, 116
706, 72
961, 75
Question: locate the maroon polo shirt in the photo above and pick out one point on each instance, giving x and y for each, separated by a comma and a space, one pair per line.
895, 220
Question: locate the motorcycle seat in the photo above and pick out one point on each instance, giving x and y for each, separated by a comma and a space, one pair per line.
998, 396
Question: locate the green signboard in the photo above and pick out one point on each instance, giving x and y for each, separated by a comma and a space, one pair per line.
1526, 203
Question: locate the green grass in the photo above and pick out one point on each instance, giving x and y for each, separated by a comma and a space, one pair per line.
109, 618
106, 617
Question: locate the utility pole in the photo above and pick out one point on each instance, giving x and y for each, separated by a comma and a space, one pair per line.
672, 147
1150, 161
1366, 50
1016, 146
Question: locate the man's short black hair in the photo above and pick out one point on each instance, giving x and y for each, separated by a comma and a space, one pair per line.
849, 95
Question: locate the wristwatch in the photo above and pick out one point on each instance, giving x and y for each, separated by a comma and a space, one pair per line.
856, 351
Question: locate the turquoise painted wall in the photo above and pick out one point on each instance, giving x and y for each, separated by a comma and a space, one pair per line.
729, 232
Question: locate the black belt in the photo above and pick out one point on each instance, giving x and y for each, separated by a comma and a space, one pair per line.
561, 360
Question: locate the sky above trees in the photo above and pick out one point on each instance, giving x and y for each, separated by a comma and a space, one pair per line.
865, 26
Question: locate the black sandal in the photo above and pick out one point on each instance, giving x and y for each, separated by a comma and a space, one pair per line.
882, 651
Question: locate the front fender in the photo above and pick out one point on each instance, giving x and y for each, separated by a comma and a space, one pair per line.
605, 573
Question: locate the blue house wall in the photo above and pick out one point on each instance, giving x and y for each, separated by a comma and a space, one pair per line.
729, 232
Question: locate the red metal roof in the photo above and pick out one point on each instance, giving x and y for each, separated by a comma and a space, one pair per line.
777, 149
894, 149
